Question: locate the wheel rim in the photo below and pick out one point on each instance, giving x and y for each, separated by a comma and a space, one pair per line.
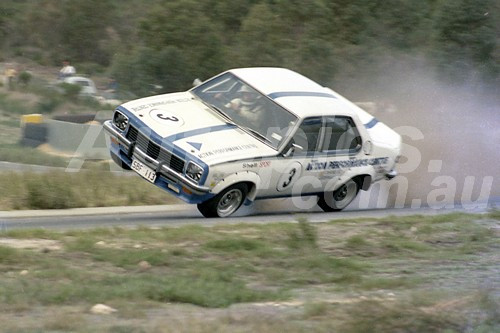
230, 202
344, 195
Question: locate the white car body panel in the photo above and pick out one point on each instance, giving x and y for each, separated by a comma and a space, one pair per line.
224, 146
181, 105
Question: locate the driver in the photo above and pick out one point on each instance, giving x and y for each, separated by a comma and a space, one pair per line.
248, 105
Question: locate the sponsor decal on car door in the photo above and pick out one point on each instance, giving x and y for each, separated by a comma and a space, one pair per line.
338, 151
325, 149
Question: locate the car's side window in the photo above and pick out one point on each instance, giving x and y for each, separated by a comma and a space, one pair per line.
340, 135
308, 134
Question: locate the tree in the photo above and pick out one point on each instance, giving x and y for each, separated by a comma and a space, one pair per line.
263, 38
185, 26
148, 71
465, 38
83, 30
402, 24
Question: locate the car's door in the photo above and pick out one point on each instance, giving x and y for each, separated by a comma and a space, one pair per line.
340, 145
322, 149
288, 169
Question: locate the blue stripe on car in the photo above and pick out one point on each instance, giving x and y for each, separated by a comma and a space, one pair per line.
371, 123
299, 94
199, 131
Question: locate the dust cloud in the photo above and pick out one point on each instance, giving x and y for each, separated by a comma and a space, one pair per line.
451, 136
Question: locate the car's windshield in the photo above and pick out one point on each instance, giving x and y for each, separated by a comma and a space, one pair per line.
247, 108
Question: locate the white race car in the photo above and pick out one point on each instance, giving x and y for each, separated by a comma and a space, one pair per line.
253, 133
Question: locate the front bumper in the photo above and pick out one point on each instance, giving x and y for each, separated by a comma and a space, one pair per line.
169, 180
391, 174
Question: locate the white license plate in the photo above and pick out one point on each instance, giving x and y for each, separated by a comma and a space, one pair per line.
146, 172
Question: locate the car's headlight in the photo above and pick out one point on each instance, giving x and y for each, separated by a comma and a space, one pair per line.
194, 171
120, 120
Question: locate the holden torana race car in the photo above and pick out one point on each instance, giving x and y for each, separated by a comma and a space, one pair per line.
253, 133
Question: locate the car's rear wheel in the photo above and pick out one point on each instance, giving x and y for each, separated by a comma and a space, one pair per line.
340, 198
225, 203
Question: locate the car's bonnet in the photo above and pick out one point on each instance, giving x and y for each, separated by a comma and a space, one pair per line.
189, 124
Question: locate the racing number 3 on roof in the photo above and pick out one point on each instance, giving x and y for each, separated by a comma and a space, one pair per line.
253, 133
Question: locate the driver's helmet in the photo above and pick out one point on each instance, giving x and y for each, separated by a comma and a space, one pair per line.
248, 96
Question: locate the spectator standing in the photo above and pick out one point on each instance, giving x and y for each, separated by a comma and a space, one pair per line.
112, 86
10, 74
67, 70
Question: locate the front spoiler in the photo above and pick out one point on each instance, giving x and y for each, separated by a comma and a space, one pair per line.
131, 150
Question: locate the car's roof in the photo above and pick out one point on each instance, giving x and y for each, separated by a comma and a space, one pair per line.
294, 91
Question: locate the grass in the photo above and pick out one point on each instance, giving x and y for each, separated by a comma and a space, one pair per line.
389, 283
216, 267
304, 236
494, 214
421, 236
14, 106
209, 288
10, 122
8, 255
18, 154
89, 188
375, 316
314, 310
49, 98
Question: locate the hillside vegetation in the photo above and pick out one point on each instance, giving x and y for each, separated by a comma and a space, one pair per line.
168, 43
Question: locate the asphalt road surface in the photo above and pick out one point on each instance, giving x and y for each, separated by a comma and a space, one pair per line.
175, 215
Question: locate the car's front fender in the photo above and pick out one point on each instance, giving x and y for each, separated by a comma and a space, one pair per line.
239, 177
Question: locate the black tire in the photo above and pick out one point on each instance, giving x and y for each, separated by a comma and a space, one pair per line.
340, 198
226, 202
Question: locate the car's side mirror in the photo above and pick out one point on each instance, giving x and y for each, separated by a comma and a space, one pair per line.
292, 149
367, 147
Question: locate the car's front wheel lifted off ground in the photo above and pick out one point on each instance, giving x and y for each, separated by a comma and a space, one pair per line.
340, 198
225, 203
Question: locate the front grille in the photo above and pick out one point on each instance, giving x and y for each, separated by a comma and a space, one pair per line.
154, 151
176, 163
149, 147
132, 133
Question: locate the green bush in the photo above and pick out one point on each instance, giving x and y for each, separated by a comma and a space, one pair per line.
51, 194
25, 78
70, 91
49, 103
90, 68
